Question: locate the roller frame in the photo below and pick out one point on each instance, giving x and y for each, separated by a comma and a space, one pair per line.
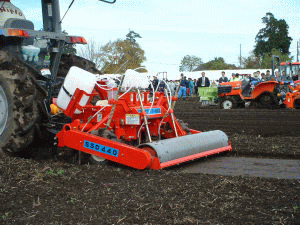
141, 158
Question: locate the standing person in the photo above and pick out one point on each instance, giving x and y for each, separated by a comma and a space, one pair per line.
183, 84
203, 81
161, 87
191, 86
195, 87
232, 77
155, 82
223, 78
235, 77
263, 77
187, 85
258, 74
268, 75
255, 79
285, 77
172, 87
153, 87
246, 85
278, 77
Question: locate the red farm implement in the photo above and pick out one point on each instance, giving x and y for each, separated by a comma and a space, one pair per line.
133, 127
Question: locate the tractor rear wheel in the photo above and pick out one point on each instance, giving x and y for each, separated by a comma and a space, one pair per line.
6, 111
67, 61
19, 99
268, 101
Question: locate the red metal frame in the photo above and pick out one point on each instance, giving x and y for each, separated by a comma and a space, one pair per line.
138, 158
127, 125
292, 95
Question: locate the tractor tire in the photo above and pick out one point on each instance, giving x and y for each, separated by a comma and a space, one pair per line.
268, 101
228, 103
67, 61
6, 111
19, 99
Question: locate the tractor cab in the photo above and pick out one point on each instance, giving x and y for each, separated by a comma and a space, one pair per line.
290, 69
13, 23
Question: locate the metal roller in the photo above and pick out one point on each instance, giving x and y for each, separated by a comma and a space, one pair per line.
177, 150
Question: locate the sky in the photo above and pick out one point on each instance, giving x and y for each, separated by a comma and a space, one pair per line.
171, 29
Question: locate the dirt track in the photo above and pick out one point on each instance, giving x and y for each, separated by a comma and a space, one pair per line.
254, 132
246, 167
45, 191
264, 122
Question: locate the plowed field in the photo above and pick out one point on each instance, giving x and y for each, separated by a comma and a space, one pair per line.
41, 190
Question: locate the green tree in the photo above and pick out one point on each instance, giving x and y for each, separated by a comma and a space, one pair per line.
264, 62
131, 36
217, 64
120, 55
267, 62
273, 36
189, 63
116, 56
251, 62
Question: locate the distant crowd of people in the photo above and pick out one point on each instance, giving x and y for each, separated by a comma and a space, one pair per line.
257, 76
189, 87
186, 86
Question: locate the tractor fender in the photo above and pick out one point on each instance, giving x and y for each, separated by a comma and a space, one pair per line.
264, 88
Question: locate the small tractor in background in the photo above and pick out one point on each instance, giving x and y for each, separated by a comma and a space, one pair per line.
238, 93
87, 115
266, 94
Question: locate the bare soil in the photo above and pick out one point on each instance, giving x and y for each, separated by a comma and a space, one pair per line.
42, 190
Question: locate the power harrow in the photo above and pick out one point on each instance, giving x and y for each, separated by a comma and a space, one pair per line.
128, 125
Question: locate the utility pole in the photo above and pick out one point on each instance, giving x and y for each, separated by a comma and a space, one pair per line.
240, 56
298, 51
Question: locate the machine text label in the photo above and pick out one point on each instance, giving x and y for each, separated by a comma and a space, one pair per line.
101, 148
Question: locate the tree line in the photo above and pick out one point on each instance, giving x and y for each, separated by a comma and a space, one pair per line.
116, 56
122, 54
271, 40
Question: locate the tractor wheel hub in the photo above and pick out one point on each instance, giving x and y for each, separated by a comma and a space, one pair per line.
227, 104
